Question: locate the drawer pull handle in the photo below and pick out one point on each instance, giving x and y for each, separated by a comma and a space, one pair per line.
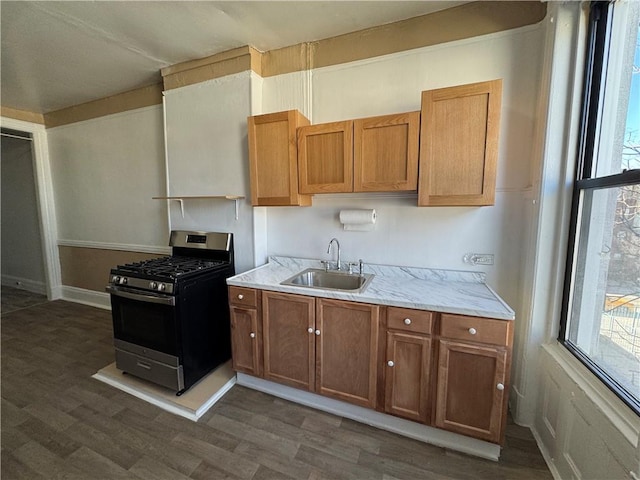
317, 332
500, 386
240, 296
252, 335
407, 321
473, 331
143, 365
390, 363
310, 329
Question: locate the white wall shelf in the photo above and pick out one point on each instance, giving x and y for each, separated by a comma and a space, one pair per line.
182, 198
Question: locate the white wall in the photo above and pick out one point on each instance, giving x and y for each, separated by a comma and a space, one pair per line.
405, 234
207, 154
22, 259
105, 171
582, 428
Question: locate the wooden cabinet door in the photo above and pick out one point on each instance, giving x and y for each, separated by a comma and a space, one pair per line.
407, 375
459, 144
325, 158
273, 159
246, 340
289, 339
385, 155
346, 351
472, 389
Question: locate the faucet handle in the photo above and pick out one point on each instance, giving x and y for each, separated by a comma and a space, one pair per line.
325, 264
361, 266
350, 266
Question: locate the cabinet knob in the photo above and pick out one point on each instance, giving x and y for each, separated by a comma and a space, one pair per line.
240, 296
310, 329
473, 331
500, 386
390, 363
407, 321
252, 335
317, 332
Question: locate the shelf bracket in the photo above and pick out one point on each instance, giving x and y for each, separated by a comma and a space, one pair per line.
181, 202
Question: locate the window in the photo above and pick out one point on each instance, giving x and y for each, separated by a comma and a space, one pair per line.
601, 305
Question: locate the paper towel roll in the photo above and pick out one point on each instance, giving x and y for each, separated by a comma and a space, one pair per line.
358, 220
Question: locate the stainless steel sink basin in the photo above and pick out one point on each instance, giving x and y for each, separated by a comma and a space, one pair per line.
317, 278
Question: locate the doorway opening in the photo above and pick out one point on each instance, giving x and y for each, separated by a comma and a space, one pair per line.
22, 262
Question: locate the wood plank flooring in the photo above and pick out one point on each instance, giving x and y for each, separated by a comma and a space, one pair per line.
58, 422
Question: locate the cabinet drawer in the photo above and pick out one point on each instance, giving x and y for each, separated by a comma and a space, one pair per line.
409, 320
241, 296
475, 329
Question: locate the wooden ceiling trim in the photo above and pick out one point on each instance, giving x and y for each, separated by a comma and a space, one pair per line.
22, 115
122, 102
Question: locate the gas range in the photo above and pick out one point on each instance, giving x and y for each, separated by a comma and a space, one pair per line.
170, 314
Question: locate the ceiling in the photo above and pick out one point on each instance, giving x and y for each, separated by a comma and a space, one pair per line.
55, 54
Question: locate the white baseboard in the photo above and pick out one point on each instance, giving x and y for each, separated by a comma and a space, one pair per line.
423, 433
87, 297
24, 284
546, 455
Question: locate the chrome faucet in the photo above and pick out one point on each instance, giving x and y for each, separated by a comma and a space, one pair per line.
338, 265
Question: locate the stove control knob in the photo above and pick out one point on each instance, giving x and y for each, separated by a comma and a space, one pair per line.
123, 281
115, 279
153, 285
162, 287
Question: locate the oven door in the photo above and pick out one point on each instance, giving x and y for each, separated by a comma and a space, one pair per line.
146, 320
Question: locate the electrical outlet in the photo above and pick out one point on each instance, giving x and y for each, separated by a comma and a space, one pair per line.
478, 258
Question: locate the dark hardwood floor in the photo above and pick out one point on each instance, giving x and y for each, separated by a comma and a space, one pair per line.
58, 422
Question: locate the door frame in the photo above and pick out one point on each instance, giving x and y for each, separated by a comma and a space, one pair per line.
45, 200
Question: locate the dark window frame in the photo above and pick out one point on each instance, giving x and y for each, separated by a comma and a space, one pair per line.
592, 97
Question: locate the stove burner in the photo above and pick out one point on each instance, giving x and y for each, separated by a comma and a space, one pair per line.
173, 266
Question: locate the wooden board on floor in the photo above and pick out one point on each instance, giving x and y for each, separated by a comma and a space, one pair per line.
192, 404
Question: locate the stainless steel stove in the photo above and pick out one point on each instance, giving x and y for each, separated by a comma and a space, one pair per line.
170, 314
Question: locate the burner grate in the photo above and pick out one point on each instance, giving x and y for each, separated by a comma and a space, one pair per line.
171, 266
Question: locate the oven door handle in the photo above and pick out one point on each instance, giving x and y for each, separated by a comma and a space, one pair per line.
119, 292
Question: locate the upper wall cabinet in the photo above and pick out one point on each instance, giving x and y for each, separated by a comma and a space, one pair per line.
325, 157
273, 159
386, 153
459, 144
376, 154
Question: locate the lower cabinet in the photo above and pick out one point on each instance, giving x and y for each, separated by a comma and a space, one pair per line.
407, 376
245, 341
246, 330
289, 339
408, 363
473, 376
346, 351
321, 345
449, 371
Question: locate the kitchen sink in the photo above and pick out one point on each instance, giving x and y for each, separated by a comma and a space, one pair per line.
328, 280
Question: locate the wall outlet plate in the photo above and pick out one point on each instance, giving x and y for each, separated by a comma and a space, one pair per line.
478, 258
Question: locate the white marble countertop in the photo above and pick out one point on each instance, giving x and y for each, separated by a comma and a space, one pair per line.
449, 291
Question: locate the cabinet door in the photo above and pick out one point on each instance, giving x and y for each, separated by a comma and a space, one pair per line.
289, 339
346, 350
471, 391
459, 144
385, 156
246, 341
325, 157
407, 376
273, 159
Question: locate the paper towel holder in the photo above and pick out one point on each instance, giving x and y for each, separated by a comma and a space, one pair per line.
358, 220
